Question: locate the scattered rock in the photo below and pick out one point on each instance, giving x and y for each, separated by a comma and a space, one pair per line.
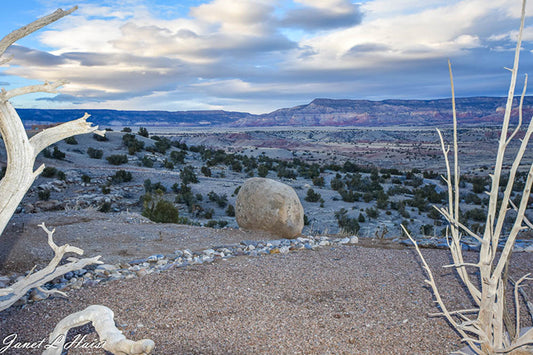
268, 205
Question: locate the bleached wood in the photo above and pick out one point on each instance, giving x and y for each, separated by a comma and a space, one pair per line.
111, 338
490, 332
47, 274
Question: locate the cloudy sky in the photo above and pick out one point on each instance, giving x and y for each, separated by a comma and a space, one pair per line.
260, 55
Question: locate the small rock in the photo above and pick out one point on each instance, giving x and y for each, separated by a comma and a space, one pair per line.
37, 295
284, 250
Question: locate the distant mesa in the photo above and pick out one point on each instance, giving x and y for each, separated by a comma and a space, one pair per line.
319, 112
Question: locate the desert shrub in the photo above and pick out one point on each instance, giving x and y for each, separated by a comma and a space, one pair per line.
230, 211
126, 130
346, 224
49, 172
427, 229
336, 183
221, 200
143, 132
117, 159
472, 198
312, 196
44, 195
147, 161
222, 224
178, 156
47, 153
99, 138
361, 218
105, 208
159, 210
57, 154
61, 175
211, 224
168, 164
85, 178
206, 171
132, 143
476, 214
382, 200
236, 166
95, 153
208, 213
154, 187
71, 140
106, 189
262, 170
188, 175
319, 181
121, 176
349, 195
372, 212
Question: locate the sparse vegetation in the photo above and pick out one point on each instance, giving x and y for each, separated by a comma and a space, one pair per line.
117, 159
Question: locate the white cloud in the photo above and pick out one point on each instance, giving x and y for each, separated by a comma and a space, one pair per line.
126, 52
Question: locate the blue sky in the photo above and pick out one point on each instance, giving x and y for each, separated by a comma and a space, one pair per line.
260, 55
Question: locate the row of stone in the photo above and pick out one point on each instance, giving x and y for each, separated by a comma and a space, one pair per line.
92, 275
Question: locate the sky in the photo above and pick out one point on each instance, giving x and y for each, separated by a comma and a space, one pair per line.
260, 55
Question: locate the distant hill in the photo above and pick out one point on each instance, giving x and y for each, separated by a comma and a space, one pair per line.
320, 112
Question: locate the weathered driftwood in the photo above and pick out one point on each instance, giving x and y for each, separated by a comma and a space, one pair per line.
486, 332
9, 296
111, 339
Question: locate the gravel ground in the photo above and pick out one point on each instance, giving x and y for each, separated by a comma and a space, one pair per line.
342, 300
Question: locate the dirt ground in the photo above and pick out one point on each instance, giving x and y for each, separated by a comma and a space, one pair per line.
116, 237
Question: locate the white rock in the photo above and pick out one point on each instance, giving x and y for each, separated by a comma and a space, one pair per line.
265, 204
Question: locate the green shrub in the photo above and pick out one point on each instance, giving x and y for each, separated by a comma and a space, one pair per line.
178, 156
143, 132
85, 178
61, 175
346, 224
106, 207
121, 176
49, 172
95, 153
230, 211
100, 138
319, 181
206, 171
57, 154
117, 159
147, 161
188, 175
44, 195
211, 224
126, 130
312, 196
262, 170
159, 210
221, 200
71, 140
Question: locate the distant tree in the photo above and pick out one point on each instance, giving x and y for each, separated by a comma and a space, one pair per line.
117, 159
143, 132
57, 154
95, 153
126, 130
312, 196
71, 140
262, 170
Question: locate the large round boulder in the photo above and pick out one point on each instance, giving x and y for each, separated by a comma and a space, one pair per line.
268, 205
